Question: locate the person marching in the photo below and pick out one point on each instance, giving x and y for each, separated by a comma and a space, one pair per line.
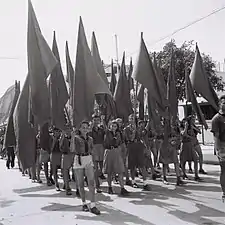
123, 150
67, 158
136, 151
82, 147
56, 156
169, 152
188, 153
98, 133
218, 130
113, 161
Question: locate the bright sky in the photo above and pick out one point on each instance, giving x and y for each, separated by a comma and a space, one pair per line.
126, 18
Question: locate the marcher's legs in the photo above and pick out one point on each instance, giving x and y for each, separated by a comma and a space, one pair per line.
12, 158
80, 183
222, 176
96, 174
89, 172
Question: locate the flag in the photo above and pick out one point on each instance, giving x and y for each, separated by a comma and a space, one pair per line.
6, 102
105, 101
130, 79
9, 138
122, 94
70, 73
192, 98
97, 59
113, 79
41, 62
58, 92
144, 73
171, 91
88, 82
200, 81
24, 132
141, 98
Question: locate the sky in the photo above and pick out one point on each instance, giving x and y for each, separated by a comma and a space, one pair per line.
125, 18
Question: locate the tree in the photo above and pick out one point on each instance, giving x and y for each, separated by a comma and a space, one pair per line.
184, 57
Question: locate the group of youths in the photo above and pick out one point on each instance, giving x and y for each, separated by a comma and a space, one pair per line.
119, 151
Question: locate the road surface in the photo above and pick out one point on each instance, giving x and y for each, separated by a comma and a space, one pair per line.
23, 202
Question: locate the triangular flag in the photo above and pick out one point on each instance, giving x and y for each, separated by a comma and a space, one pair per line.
144, 73
6, 102
141, 98
97, 59
88, 82
58, 92
41, 62
192, 98
24, 133
113, 81
130, 79
200, 81
10, 139
122, 95
171, 91
70, 73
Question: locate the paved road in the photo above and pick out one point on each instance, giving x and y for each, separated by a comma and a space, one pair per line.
23, 202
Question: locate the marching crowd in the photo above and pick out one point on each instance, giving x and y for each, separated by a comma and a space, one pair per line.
96, 149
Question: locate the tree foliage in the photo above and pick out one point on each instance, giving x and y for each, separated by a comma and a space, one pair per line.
184, 57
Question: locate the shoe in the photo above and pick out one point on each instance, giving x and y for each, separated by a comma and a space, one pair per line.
49, 183
98, 190
95, 211
190, 171
197, 178
165, 181
124, 192
78, 193
128, 182
185, 177
52, 181
85, 208
57, 188
68, 192
180, 182
147, 187
155, 176
39, 181
102, 177
110, 191
134, 185
201, 171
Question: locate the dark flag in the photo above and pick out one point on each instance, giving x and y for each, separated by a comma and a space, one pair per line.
113, 81
70, 73
87, 82
190, 96
172, 92
200, 81
41, 62
130, 79
144, 73
58, 92
6, 102
10, 139
122, 94
141, 99
24, 132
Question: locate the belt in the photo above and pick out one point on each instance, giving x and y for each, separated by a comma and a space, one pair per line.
84, 154
112, 147
134, 141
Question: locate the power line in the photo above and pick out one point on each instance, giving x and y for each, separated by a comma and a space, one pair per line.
182, 28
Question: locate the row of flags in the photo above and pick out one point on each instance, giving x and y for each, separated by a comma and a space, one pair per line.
45, 100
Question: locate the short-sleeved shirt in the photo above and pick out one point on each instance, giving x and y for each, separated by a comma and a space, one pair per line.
218, 126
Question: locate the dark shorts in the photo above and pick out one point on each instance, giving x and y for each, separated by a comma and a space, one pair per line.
67, 160
136, 158
56, 159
